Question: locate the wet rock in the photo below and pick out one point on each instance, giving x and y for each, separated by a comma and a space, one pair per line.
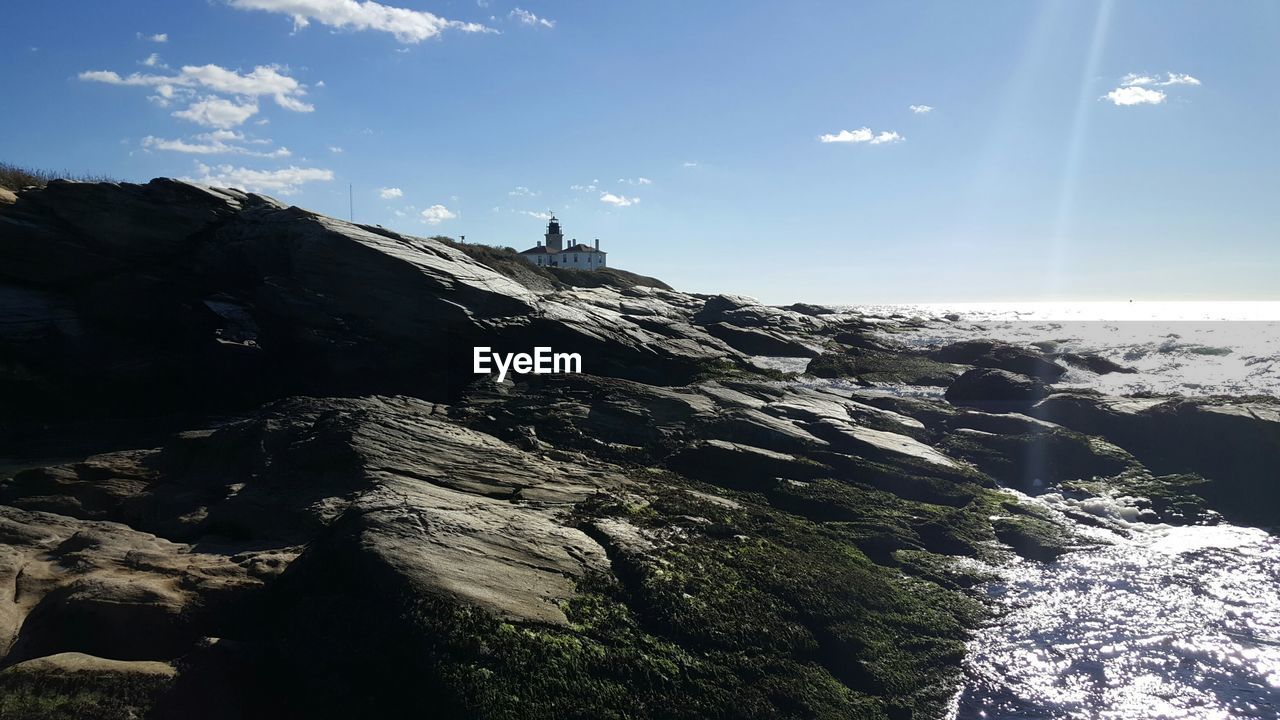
747, 313
1031, 537
1001, 356
760, 342
742, 466
1034, 457
1235, 443
865, 340
995, 390
810, 309
1094, 363
873, 366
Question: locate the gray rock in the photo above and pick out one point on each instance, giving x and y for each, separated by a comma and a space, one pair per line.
1094, 363
1233, 442
742, 466
747, 313
1002, 356
174, 296
995, 390
760, 342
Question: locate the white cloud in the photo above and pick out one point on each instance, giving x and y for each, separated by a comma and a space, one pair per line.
390, 193
218, 112
862, 135
218, 142
437, 214
335, 150
153, 60
408, 26
261, 81
522, 191
635, 181
1136, 80
618, 200
1180, 79
284, 181
921, 109
320, 83
157, 38
535, 214
103, 76
528, 18
1137, 89
689, 164
1135, 95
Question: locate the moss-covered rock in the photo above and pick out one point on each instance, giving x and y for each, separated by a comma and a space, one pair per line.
871, 366
1038, 457
101, 690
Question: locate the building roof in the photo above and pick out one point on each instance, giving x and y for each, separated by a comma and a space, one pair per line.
543, 250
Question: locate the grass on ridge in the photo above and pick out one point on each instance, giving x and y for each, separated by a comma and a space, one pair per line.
14, 177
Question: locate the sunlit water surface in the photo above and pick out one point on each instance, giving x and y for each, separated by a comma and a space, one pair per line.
1226, 348
1169, 622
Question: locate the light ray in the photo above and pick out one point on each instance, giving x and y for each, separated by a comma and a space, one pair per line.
1085, 101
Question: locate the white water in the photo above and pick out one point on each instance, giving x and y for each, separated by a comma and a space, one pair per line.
1211, 348
1160, 622
1155, 621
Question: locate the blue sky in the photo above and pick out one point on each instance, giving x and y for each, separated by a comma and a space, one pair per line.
1072, 149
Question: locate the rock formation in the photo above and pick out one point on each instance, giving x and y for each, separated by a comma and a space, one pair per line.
246, 471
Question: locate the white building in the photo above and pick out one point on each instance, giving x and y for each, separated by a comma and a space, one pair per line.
554, 253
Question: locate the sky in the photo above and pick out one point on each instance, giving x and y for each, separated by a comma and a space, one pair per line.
835, 152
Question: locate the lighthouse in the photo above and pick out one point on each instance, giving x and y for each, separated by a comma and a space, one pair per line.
554, 253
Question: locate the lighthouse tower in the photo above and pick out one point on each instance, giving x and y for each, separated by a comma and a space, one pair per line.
555, 238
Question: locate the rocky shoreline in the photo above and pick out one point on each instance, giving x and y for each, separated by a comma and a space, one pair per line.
246, 471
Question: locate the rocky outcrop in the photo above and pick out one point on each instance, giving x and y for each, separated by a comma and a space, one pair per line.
1094, 363
1001, 356
995, 390
168, 295
390, 536
871, 366
318, 510
760, 342
746, 312
1029, 454
1233, 442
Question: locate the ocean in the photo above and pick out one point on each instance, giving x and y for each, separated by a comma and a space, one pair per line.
1183, 348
